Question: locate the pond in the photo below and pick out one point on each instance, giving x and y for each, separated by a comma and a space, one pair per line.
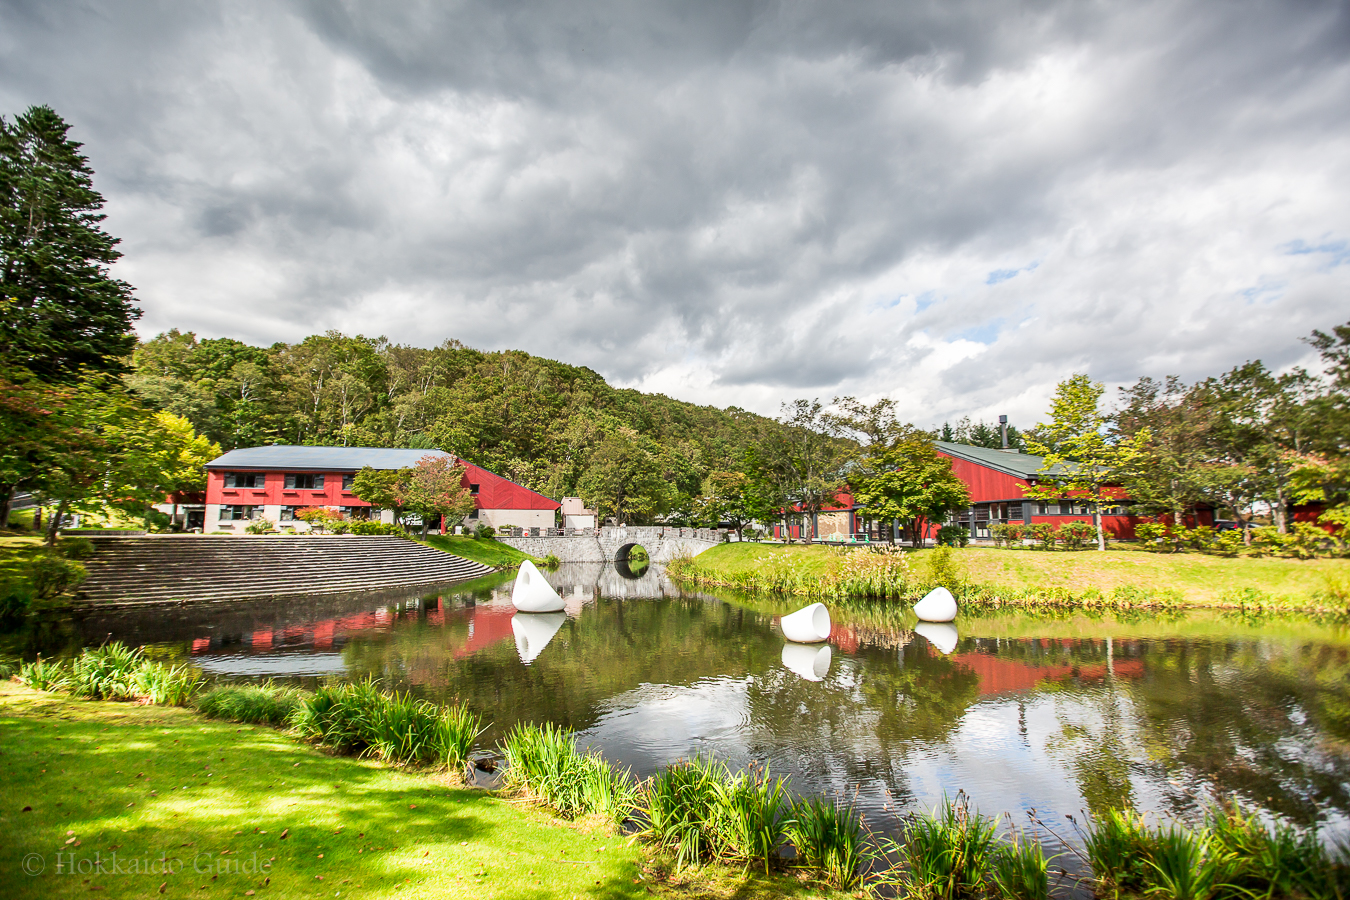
1056, 714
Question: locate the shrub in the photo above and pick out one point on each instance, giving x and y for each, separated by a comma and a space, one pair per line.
255, 704
544, 762
1044, 535
260, 526
52, 576
15, 601
76, 547
107, 673
1008, 535
1076, 535
44, 675
831, 839
483, 531
167, 685
948, 853
385, 528
550, 562
953, 536
942, 568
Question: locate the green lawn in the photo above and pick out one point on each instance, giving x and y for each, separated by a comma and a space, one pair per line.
16, 554
1201, 579
487, 551
250, 812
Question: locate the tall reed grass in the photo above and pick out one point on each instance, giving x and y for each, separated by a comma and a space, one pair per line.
360, 718
949, 853
544, 762
44, 675
253, 704
830, 838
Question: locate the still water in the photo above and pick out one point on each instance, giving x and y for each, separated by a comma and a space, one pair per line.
1021, 712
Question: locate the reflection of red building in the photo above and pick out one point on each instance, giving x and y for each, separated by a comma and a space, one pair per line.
1005, 676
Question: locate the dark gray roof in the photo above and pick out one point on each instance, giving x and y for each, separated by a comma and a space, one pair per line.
342, 459
1018, 465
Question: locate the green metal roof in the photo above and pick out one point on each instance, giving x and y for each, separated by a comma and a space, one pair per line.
1018, 465
342, 459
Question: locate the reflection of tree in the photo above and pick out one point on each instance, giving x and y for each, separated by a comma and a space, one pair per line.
857, 726
614, 646
1248, 717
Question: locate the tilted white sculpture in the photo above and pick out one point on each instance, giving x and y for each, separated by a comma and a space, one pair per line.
937, 606
811, 663
941, 635
532, 593
807, 626
533, 632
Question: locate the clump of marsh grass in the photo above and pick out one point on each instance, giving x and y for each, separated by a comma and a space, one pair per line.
1020, 870
1273, 861
751, 816
167, 685
543, 761
830, 838
252, 704
106, 673
360, 718
680, 807
1119, 845
44, 675
1185, 866
948, 854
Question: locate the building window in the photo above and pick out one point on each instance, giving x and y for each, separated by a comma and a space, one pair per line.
473, 489
355, 513
347, 481
245, 479
288, 514
233, 513
304, 482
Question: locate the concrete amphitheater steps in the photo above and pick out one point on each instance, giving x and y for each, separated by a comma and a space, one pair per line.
212, 568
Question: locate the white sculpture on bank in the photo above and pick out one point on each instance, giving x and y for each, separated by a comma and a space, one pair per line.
941, 635
937, 606
533, 632
532, 593
811, 663
807, 626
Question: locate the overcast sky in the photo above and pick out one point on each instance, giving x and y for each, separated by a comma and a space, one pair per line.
954, 204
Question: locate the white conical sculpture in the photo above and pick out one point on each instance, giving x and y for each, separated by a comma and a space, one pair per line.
533, 632
941, 635
811, 663
807, 626
532, 593
937, 606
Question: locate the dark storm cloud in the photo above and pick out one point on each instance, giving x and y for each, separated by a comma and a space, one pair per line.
730, 202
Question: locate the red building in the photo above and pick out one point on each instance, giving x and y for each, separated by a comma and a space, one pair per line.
998, 481
276, 482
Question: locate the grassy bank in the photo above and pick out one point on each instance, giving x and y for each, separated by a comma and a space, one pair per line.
1025, 575
487, 551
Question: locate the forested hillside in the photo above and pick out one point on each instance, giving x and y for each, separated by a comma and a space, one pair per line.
559, 429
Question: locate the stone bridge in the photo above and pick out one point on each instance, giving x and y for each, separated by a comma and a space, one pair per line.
613, 543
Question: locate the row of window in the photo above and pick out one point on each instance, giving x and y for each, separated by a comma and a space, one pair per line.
237, 512
304, 481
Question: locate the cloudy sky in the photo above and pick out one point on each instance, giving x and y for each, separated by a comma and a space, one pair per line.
956, 204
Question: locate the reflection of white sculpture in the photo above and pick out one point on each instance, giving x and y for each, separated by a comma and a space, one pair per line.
532, 593
807, 626
941, 635
534, 631
938, 606
811, 663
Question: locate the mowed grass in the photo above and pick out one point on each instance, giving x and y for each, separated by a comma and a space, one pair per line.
16, 555
245, 810
1201, 580
240, 805
487, 551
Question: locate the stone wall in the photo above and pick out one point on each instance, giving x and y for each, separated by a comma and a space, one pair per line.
611, 542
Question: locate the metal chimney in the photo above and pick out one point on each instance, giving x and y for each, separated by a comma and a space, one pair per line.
1003, 430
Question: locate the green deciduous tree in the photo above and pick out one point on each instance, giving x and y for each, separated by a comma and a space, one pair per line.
908, 481
384, 489
1084, 458
61, 310
437, 487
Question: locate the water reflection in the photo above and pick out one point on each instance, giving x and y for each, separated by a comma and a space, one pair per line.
1057, 713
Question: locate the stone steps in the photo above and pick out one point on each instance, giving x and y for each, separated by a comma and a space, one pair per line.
203, 568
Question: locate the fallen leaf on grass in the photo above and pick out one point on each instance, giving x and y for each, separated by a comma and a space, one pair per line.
284, 833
